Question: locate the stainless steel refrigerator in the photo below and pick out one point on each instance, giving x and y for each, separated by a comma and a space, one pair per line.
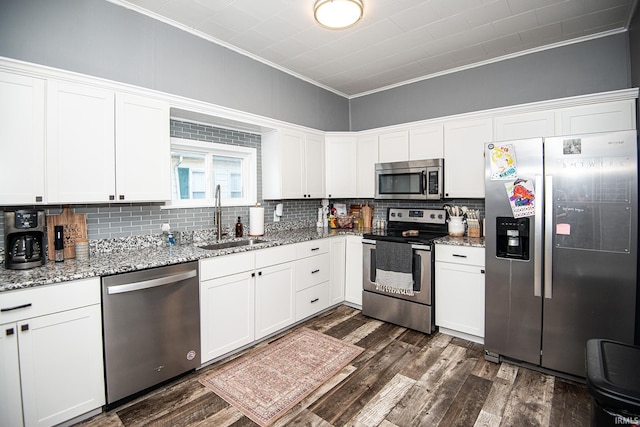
561, 247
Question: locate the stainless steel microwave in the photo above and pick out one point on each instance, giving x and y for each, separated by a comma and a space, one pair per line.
413, 180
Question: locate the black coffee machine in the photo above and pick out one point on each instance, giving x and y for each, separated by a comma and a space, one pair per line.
24, 238
512, 238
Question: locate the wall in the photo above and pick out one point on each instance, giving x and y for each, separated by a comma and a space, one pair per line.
105, 40
634, 47
593, 66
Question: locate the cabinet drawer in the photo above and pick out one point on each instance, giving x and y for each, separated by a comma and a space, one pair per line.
311, 271
225, 265
312, 300
275, 255
43, 300
460, 254
311, 248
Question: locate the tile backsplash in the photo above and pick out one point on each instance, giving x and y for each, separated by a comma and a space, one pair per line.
117, 220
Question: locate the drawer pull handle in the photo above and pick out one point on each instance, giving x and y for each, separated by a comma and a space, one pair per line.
315, 300
315, 271
459, 256
17, 307
315, 249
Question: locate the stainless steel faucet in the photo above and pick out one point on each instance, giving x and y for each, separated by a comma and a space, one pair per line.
218, 214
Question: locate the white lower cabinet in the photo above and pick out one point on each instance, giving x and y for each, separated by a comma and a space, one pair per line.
459, 291
274, 298
313, 273
353, 270
51, 367
337, 253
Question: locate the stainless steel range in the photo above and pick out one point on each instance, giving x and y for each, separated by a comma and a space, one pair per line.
398, 268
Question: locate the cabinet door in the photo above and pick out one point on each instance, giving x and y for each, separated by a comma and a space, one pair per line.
604, 117
80, 144
353, 266
341, 166
460, 298
393, 147
426, 143
464, 157
10, 393
143, 154
293, 162
526, 125
22, 139
61, 365
366, 159
274, 298
314, 166
226, 314
337, 253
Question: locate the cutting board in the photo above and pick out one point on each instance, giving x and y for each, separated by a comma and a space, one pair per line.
367, 215
75, 229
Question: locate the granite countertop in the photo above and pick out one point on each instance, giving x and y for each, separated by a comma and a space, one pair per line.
116, 262
461, 241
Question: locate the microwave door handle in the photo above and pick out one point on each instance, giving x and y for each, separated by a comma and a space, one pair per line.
424, 183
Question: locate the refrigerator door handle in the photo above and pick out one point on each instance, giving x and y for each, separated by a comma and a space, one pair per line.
537, 255
548, 236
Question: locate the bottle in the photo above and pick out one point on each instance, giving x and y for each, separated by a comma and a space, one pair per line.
58, 243
172, 240
239, 228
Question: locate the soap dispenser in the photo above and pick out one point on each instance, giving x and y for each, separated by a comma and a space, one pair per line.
239, 228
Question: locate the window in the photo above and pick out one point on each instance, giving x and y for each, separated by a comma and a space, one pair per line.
197, 168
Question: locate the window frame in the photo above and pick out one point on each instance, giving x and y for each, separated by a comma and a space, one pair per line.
249, 156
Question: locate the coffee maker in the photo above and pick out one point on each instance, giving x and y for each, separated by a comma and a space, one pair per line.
24, 238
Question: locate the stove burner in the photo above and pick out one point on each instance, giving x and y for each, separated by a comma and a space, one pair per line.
430, 224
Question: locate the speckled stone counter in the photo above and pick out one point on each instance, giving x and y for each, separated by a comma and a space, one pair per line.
123, 261
461, 241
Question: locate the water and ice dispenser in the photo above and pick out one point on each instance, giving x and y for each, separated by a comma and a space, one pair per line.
512, 238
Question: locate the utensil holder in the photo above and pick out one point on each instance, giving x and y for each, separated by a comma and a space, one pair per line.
456, 226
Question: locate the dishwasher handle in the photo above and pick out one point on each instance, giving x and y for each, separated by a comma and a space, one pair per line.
153, 283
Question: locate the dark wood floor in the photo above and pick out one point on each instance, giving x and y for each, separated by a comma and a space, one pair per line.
403, 378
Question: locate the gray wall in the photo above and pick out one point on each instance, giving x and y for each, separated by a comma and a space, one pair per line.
634, 48
594, 66
101, 39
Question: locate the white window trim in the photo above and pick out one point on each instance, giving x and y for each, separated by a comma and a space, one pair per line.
249, 172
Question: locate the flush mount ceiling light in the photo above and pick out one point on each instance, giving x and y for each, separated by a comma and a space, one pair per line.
338, 14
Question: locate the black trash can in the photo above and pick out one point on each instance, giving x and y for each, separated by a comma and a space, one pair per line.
613, 380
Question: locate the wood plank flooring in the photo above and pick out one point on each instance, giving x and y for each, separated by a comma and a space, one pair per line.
403, 378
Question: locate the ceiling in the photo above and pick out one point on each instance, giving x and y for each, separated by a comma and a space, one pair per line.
397, 41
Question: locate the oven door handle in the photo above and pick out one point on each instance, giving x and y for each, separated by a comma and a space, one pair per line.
372, 265
417, 272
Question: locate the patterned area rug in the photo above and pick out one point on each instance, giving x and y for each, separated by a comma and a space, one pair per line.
266, 382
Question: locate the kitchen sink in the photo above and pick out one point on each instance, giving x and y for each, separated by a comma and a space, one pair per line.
232, 244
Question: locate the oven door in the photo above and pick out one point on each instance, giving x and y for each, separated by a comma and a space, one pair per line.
421, 274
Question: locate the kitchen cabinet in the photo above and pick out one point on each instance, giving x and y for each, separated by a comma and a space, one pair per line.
80, 155
51, 354
227, 314
393, 146
353, 270
312, 277
603, 117
22, 135
341, 171
464, 157
525, 125
293, 165
337, 253
459, 291
366, 159
143, 149
426, 143
275, 298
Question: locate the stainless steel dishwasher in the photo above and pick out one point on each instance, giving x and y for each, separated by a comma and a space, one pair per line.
151, 327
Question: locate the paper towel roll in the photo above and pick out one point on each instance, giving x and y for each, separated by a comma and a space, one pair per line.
256, 221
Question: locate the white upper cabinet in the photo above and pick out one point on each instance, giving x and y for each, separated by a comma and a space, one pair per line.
464, 157
21, 139
80, 143
293, 165
366, 159
525, 125
426, 143
341, 165
605, 117
143, 150
393, 147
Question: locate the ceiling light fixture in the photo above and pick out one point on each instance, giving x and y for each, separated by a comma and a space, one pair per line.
338, 14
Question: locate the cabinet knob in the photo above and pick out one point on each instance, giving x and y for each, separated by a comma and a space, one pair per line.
39, 198
24, 328
10, 332
259, 273
253, 274
121, 197
112, 197
481, 271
